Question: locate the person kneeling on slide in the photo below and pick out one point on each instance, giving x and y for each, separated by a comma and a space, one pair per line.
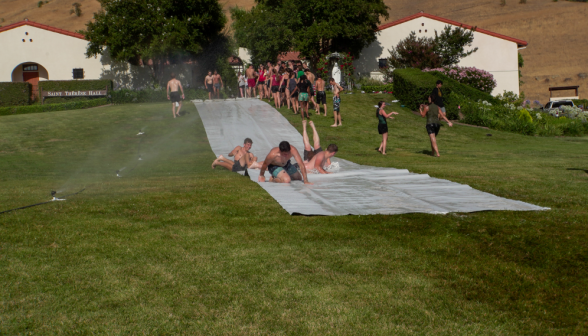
279, 166
243, 159
432, 113
316, 159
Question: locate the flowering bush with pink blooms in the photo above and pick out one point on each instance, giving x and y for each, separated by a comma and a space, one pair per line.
477, 78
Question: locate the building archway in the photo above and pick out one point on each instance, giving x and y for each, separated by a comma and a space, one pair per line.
30, 72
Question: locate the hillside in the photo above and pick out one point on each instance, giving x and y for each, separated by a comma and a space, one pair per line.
554, 57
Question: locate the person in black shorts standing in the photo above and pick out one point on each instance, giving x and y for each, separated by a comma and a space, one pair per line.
173, 85
437, 97
383, 125
433, 113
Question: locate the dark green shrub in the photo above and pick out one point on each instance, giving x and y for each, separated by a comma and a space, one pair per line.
583, 102
127, 96
73, 85
76, 105
377, 88
413, 87
12, 94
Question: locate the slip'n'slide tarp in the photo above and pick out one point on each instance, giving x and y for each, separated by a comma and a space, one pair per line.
351, 189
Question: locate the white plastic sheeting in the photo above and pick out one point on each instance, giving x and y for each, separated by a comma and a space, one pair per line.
351, 189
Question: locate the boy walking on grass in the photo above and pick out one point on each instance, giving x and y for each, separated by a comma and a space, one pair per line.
174, 95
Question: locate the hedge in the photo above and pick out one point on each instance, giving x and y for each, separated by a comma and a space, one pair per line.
73, 85
378, 88
12, 93
52, 107
126, 96
413, 87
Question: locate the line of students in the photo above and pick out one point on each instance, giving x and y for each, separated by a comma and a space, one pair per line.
292, 85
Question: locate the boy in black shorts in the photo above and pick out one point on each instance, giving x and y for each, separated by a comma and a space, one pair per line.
433, 113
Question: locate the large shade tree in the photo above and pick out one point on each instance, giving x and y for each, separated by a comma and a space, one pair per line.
158, 32
312, 27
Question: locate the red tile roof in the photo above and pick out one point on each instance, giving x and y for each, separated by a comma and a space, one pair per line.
42, 26
520, 43
289, 56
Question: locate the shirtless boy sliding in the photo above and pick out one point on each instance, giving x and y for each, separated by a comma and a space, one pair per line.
279, 166
243, 159
174, 95
336, 102
317, 159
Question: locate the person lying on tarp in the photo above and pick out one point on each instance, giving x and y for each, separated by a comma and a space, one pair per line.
243, 158
279, 166
315, 160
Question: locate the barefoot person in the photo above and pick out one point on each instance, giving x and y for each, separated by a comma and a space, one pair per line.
217, 83
174, 95
276, 80
336, 102
250, 74
321, 95
279, 166
208, 84
433, 113
383, 125
242, 84
243, 158
310, 77
303, 94
293, 91
316, 159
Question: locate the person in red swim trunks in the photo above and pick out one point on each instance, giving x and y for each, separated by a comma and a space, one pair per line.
250, 74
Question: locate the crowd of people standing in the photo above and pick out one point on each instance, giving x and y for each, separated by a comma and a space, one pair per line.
290, 84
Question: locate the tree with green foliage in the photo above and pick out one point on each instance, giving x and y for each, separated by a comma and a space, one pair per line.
314, 28
264, 35
444, 50
163, 31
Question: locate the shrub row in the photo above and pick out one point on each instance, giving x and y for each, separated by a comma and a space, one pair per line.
377, 88
73, 85
413, 87
126, 96
12, 94
74, 105
507, 117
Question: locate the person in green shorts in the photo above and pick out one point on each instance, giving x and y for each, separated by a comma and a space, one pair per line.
303, 88
432, 113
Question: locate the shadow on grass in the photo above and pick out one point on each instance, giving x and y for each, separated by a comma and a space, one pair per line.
426, 152
584, 170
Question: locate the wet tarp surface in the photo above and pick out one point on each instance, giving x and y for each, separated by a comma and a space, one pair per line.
352, 188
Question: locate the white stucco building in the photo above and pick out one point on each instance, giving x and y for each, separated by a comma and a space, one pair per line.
32, 52
35, 52
497, 54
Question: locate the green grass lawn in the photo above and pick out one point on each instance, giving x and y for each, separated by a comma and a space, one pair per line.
174, 247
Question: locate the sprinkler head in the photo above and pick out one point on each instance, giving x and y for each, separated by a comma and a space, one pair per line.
140, 159
53, 193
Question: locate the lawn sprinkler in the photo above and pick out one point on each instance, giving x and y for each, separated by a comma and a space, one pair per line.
53, 193
140, 159
140, 133
120, 170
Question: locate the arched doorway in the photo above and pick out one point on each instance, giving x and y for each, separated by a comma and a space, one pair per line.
30, 72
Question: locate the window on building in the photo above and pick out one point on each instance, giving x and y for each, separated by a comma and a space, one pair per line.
78, 73
382, 63
30, 68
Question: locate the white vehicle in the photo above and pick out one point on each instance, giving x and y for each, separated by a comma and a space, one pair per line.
558, 104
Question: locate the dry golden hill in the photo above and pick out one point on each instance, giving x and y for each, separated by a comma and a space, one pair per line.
554, 57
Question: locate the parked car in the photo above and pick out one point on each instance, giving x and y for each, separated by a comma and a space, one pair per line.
558, 104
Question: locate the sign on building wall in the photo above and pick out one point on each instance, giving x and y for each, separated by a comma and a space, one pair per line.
67, 94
